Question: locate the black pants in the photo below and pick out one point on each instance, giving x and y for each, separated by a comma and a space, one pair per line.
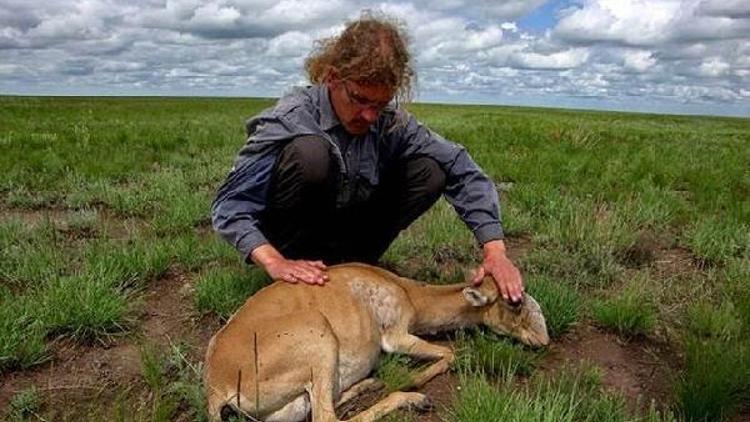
303, 222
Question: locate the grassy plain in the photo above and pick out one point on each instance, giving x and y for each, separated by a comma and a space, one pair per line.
632, 227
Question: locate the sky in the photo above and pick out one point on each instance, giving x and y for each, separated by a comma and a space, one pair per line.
661, 56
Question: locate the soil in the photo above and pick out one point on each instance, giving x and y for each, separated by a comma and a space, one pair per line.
116, 227
638, 369
674, 262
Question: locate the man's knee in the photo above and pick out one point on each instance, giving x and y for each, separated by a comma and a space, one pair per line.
426, 174
306, 160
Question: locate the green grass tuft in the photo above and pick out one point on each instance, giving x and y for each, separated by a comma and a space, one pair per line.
22, 337
222, 290
84, 223
24, 405
715, 380
631, 312
737, 287
84, 307
560, 303
716, 240
566, 396
30, 254
128, 264
706, 320
395, 371
493, 355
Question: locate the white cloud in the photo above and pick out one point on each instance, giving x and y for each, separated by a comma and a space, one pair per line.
212, 15
638, 60
714, 67
653, 22
559, 60
290, 44
636, 22
509, 26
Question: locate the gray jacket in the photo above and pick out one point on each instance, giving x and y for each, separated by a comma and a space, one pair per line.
241, 199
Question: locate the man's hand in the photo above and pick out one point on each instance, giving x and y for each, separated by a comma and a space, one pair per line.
506, 275
289, 270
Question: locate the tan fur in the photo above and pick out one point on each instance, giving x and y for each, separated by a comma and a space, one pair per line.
314, 342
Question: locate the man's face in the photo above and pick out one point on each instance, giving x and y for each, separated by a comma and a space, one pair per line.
358, 105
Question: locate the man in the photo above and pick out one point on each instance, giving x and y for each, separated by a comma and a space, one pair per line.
335, 171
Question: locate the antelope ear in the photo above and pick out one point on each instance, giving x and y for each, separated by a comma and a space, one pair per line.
475, 297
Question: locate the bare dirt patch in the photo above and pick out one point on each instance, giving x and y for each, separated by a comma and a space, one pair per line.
638, 369
107, 224
441, 391
675, 262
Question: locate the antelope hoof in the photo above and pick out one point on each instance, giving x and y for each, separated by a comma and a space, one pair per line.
419, 402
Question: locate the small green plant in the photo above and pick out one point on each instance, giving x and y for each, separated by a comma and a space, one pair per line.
560, 303
631, 312
24, 404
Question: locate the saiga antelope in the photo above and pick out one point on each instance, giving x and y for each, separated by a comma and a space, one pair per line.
292, 349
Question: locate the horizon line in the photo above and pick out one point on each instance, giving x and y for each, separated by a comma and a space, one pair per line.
427, 102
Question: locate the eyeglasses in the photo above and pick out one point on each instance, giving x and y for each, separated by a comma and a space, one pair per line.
361, 102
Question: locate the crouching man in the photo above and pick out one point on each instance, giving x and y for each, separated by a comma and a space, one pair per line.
336, 170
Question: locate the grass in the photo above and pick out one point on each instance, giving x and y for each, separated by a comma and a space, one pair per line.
706, 320
715, 241
222, 290
24, 405
99, 197
492, 355
175, 384
23, 338
715, 381
30, 255
396, 371
87, 308
561, 304
631, 312
568, 396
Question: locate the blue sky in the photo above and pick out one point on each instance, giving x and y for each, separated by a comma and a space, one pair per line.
663, 56
543, 17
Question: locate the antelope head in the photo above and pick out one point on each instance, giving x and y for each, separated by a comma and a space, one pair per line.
524, 321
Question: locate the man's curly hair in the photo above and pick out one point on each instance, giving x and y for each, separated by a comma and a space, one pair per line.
370, 50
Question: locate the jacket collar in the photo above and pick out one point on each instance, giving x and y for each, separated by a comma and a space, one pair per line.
328, 118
